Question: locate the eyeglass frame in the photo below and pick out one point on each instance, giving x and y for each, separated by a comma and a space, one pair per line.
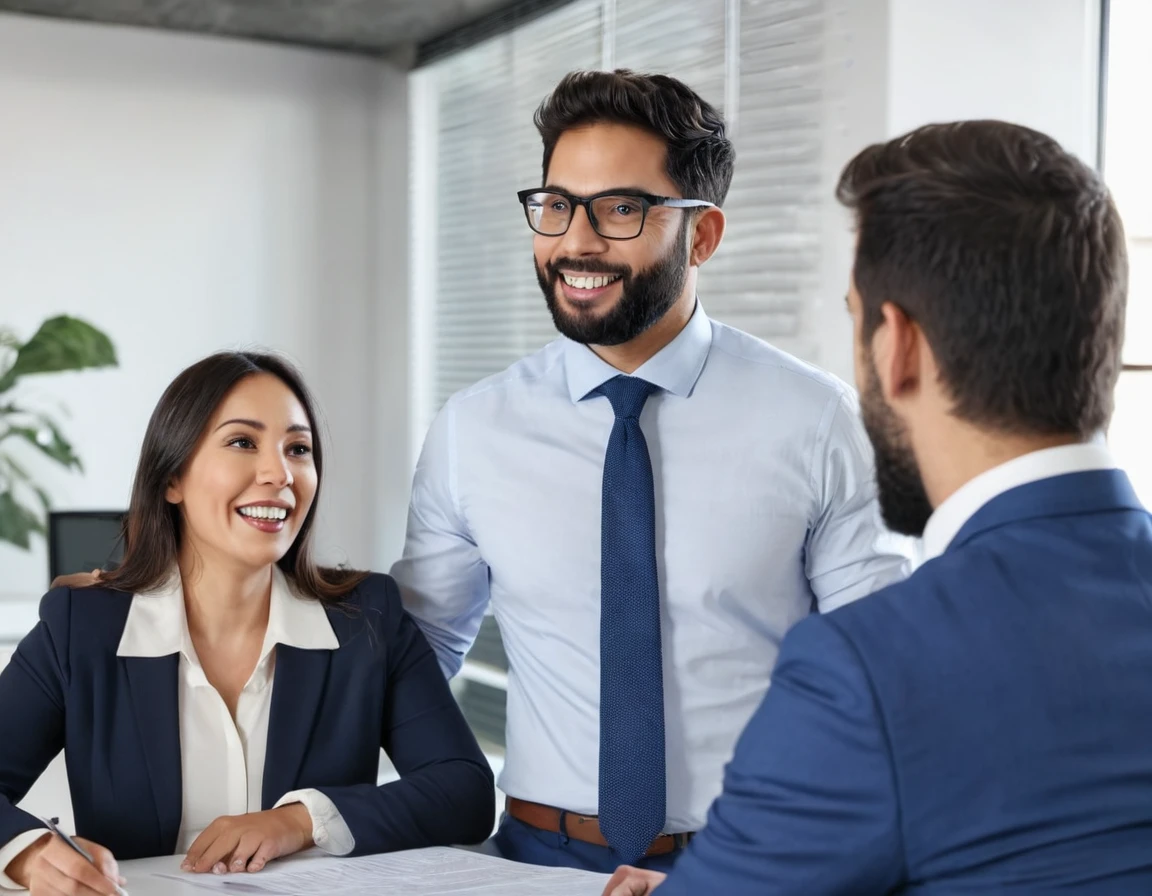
647, 201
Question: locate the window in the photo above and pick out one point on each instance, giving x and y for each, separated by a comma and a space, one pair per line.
1127, 134
477, 304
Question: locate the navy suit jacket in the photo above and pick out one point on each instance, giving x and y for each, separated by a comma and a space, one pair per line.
983, 727
116, 718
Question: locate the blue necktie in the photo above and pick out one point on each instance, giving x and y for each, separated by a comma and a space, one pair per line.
632, 776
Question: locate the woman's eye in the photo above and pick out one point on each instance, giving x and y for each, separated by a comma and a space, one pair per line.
300, 450
242, 442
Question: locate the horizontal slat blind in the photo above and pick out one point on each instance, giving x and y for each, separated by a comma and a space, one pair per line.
682, 39
488, 308
768, 267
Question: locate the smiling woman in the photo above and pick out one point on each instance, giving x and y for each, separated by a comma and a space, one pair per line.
220, 694
231, 435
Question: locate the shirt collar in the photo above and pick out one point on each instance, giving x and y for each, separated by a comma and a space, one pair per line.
949, 518
675, 368
157, 623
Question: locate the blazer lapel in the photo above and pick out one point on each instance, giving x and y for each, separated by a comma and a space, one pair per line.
298, 687
154, 690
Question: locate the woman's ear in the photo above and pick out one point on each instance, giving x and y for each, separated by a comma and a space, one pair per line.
174, 494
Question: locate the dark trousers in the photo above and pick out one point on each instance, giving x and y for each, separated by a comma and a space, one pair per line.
523, 843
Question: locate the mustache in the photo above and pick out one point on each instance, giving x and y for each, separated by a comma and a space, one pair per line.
583, 266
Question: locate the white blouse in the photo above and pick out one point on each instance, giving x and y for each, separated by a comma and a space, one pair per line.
221, 761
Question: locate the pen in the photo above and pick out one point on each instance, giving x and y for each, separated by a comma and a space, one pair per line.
52, 822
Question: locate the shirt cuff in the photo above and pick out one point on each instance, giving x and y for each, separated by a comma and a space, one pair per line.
329, 829
13, 848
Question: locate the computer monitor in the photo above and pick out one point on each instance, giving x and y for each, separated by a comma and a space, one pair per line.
83, 540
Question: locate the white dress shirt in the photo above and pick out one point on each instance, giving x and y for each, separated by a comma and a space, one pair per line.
221, 761
949, 518
765, 509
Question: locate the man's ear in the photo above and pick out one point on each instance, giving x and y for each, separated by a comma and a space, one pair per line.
896, 352
706, 235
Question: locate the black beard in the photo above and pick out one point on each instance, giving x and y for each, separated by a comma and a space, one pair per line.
904, 503
645, 298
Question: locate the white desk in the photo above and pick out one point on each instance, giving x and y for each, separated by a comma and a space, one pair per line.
423, 872
141, 883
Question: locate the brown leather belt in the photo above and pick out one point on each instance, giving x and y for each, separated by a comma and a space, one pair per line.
585, 828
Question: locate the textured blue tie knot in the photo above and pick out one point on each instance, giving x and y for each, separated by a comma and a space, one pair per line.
627, 395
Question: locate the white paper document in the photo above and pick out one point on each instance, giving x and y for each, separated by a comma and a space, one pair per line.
439, 871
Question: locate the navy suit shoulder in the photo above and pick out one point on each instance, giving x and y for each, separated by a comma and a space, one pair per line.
374, 603
62, 609
1010, 675
981, 727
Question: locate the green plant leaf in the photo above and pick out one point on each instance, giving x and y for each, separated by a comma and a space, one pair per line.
48, 439
17, 522
19, 474
62, 343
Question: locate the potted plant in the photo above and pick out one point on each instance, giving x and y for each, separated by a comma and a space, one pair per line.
62, 343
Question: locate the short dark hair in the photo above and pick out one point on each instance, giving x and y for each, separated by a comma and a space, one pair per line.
700, 156
1010, 255
152, 529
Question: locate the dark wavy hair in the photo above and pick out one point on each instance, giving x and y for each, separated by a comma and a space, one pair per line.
1009, 253
700, 159
152, 528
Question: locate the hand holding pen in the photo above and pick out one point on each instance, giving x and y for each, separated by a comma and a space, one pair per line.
63, 864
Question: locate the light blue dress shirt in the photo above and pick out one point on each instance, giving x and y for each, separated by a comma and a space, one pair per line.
765, 510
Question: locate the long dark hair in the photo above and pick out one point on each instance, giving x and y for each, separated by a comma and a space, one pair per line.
152, 529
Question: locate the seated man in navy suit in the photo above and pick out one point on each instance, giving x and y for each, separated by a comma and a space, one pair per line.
986, 725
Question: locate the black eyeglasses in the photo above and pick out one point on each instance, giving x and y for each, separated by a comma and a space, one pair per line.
614, 215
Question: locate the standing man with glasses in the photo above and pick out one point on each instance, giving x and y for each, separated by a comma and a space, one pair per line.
649, 502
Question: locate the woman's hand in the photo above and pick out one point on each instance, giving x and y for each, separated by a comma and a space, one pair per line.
629, 881
50, 867
248, 842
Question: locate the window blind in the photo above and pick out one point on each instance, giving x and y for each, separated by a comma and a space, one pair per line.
487, 308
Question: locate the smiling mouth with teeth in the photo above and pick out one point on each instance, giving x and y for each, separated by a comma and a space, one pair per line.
585, 282
257, 512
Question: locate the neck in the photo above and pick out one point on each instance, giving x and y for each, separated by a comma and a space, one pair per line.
960, 453
224, 602
628, 356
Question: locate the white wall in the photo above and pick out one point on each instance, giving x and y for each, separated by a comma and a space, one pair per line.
1033, 62
894, 65
188, 194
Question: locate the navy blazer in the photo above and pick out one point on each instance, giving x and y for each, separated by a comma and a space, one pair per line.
983, 727
116, 718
